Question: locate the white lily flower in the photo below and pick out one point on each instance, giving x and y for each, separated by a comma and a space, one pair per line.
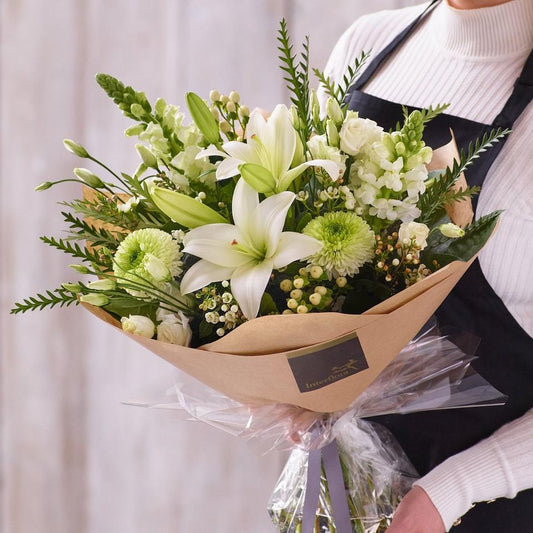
271, 144
247, 252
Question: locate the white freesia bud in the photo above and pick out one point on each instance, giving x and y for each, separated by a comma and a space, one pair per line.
173, 328
414, 231
357, 133
451, 230
75, 148
98, 300
334, 111
138, 325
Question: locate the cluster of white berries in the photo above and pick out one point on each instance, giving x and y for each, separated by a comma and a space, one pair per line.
221, 309
230, 114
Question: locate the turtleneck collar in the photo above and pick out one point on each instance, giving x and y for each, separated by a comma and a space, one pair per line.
498, 31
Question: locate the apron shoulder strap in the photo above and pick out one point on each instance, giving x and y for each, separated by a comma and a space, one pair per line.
520, 98
376, 63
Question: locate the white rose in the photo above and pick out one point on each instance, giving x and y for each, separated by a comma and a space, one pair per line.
357, 133
320, 149
174, 329
414, 231
451, 230
138, 325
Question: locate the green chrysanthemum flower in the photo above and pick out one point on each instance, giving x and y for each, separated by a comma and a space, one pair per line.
348, 243
147, 255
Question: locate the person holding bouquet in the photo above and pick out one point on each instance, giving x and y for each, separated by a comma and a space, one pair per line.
477, 55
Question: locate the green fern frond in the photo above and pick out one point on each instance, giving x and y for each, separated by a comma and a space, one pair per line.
51, 298
75, 250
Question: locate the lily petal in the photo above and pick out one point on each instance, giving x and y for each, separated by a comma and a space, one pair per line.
293, 247
216, 243
248, 285
269, 219
244, 204
247, 153
279, 140
333, 169
203, 273
228, 168
211, 150
255, 125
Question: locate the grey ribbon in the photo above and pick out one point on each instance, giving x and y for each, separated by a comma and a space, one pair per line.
339, 505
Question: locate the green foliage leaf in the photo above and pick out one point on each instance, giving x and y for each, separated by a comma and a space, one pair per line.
128, 305
51, 298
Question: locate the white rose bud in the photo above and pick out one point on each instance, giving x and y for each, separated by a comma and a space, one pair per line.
357, 133
138, 325
451, 230
174, 329
414, 231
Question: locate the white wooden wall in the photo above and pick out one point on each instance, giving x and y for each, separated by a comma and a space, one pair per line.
73, 458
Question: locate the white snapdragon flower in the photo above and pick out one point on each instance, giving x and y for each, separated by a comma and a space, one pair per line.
193, 167
357, 133
413, 232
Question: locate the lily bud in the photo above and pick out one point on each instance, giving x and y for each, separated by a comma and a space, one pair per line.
334, 111
451, 230
92, 180
147, 156
98, 300
75, 148
138, 325
332, 133
203, 118
315, 107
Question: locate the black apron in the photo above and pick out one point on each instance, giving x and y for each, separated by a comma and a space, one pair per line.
506, 350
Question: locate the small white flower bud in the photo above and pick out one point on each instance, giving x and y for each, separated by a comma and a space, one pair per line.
315, 298
302, 309
225, 126
292, 304
316, 271
341, 282
224, 98
230, 106
395, 262
215, 112
234, 96
102, 285
244, 111
225, 283
321, 290
234, 308
287, 312
214, 96
75, 148
220, 332
286, 285
297, 294
298, 283
224, 308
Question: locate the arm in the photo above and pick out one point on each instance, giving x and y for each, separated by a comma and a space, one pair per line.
497, 467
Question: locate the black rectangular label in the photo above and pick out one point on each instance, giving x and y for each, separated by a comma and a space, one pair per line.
332, 362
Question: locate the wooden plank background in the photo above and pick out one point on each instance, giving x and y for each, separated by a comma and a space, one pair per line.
73, 457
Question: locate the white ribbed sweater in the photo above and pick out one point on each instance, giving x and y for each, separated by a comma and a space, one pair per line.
471, 58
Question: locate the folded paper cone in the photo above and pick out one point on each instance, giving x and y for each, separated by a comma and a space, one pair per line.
318, 361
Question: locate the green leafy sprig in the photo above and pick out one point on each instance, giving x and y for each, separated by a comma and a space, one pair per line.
439, 194
51, 298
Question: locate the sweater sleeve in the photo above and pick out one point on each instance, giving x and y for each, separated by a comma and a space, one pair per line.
497, 467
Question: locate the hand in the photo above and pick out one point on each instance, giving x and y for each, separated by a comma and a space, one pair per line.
416, 514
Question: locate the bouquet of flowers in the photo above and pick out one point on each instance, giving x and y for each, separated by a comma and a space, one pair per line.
282, 259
